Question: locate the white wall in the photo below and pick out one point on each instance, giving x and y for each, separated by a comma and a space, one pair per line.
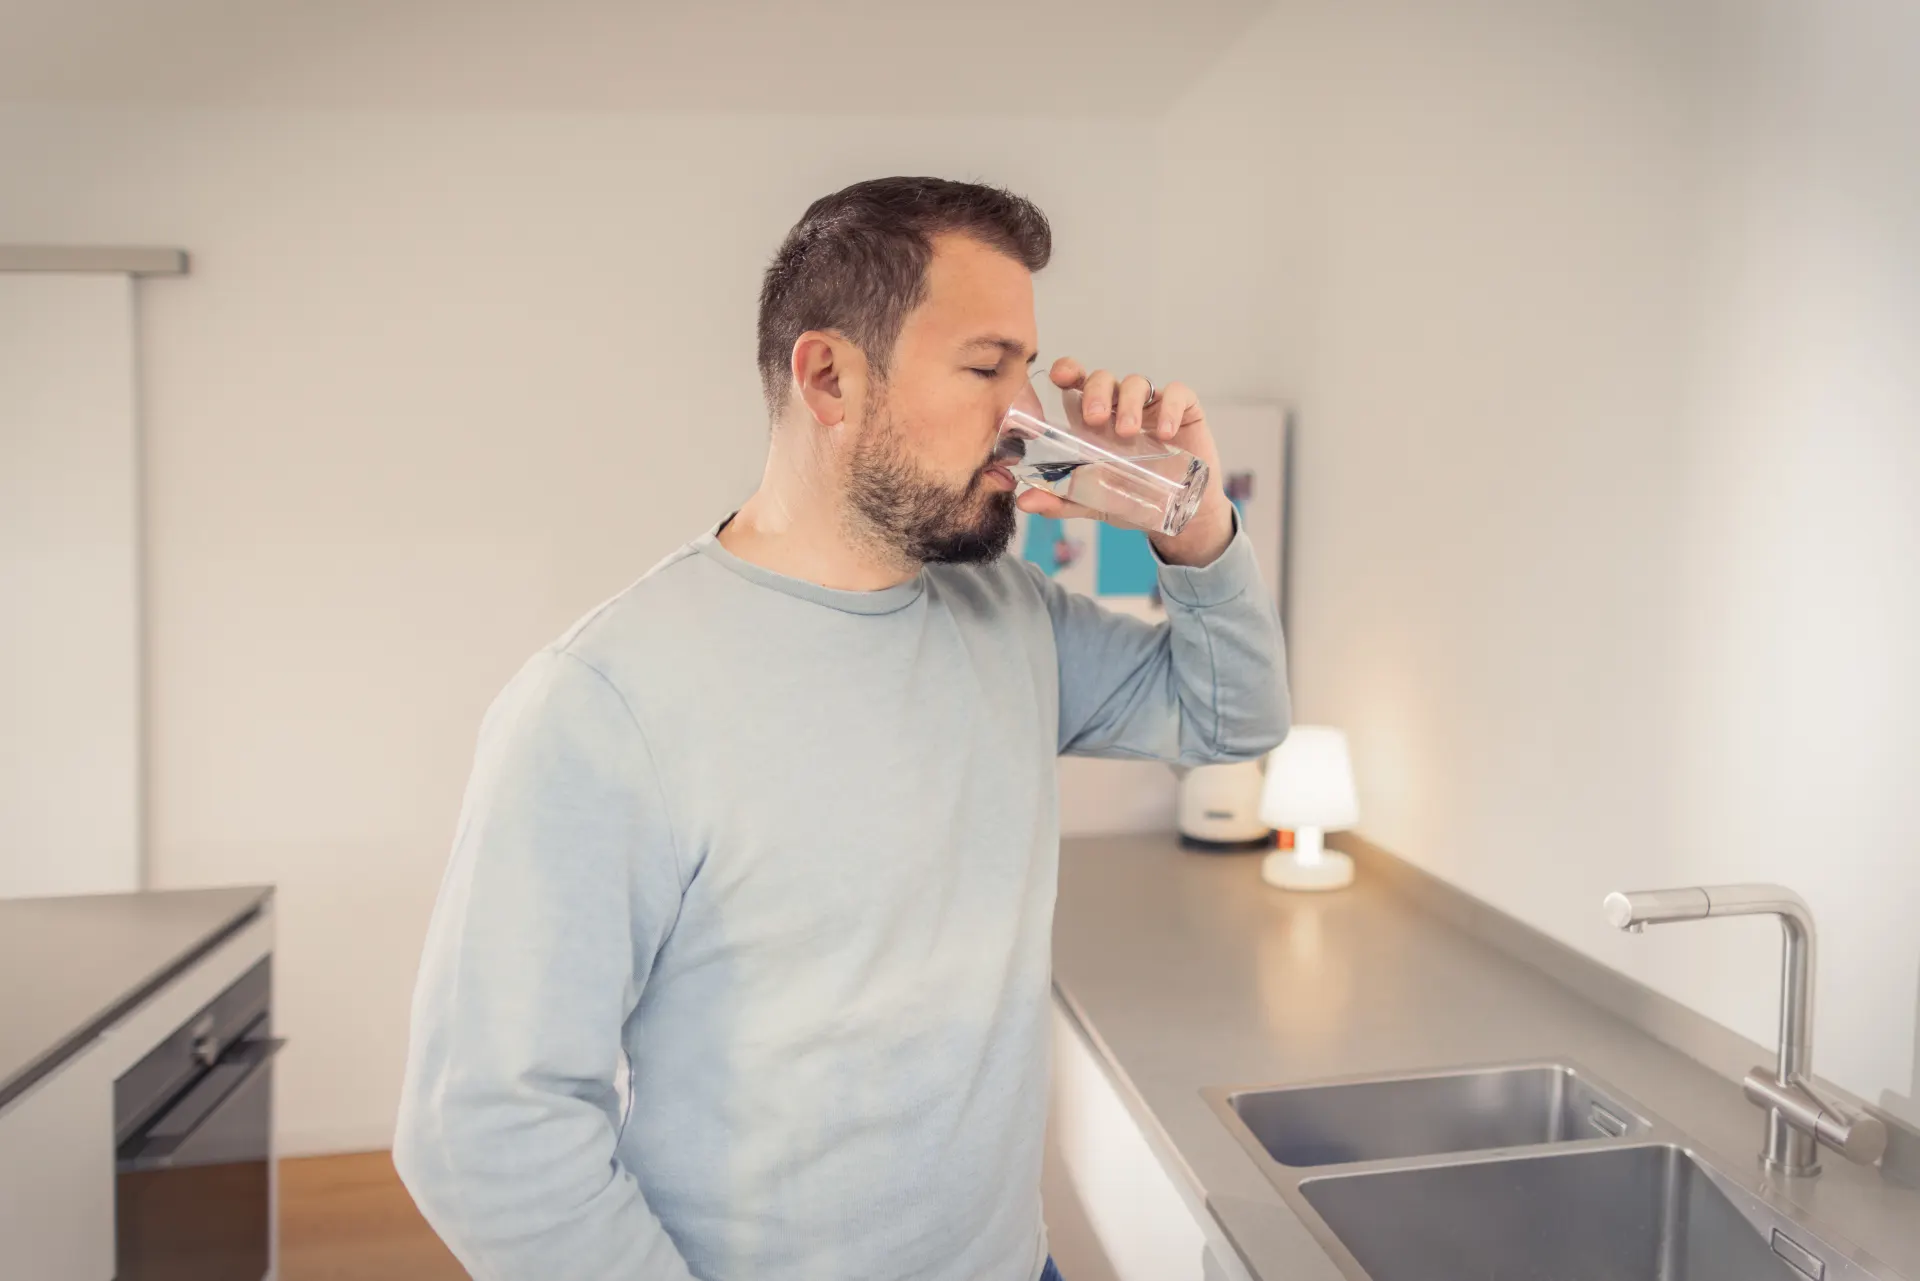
1600, 319
1603, 323
437, 385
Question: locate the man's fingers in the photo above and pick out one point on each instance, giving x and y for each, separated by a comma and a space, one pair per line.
1177, 403
1120, 404
1130, 406
1039, 502
1096, 399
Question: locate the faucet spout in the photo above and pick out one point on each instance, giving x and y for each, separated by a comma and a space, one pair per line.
1796, 1120
1634, 912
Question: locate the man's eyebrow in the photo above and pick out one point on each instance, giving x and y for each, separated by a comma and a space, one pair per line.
1013, 345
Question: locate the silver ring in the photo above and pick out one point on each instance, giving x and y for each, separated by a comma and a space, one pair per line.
1153, 393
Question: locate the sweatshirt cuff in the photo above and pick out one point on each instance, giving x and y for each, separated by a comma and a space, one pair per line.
1232, 572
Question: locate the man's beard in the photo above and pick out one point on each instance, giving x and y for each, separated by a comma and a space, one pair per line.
920, 517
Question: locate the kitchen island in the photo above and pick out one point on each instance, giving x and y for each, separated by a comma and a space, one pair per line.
114, 1011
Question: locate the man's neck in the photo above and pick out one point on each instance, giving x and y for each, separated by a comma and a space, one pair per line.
794, 524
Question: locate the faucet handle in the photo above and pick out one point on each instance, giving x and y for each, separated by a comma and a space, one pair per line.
1857, 1136
1862, 1139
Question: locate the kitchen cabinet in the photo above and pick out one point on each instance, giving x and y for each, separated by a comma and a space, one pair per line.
1151, 1224
56, 1173
95, 984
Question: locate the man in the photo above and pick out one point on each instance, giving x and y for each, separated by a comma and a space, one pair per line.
740, 969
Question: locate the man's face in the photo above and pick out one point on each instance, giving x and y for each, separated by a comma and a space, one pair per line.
918, 472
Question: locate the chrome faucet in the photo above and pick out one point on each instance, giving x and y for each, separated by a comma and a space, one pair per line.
1798, 1120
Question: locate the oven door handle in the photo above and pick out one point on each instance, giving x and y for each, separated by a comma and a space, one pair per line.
157, 1144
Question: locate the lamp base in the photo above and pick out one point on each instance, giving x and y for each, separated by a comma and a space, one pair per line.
1283, 869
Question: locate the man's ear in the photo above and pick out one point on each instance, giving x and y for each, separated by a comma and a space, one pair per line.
825, 375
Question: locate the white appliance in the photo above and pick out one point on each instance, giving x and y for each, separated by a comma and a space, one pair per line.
1220, 808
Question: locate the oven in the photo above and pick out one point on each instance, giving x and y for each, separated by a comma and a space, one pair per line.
193, 1122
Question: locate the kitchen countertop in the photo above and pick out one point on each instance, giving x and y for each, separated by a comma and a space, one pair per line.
1187, 972
71, 966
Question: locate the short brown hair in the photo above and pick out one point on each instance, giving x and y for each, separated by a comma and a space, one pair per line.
856, 262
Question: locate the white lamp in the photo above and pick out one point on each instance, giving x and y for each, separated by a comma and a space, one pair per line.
1309, 789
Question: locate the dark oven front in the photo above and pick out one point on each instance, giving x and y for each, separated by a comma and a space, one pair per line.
193, 1121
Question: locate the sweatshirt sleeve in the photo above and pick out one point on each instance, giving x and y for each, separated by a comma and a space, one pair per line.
1207, 685
563, 883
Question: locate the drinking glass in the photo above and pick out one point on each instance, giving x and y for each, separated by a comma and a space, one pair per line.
1144, 482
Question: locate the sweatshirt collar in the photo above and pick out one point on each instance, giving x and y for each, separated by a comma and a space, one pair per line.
885, 601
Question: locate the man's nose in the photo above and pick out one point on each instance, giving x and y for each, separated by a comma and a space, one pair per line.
1027, 401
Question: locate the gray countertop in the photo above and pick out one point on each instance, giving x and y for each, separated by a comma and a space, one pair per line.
71, 966
1188, 972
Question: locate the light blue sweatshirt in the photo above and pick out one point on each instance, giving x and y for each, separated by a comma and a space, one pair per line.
740, 968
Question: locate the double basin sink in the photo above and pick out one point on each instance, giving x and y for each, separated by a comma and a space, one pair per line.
1519, 1173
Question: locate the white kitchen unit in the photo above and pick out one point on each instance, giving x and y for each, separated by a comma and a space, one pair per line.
1151, 1222
135, 1083
70, 567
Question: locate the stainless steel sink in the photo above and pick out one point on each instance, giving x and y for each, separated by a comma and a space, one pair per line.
1528, 1172
1376, 1120
1622, 1214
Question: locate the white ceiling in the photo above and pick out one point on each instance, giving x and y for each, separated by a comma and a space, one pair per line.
866, 56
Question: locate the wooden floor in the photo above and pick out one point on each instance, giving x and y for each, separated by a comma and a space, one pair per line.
346, 1218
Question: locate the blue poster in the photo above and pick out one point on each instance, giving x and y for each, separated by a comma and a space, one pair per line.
1042, 542
1125, 565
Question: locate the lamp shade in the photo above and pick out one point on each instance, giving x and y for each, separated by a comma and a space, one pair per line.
1310, 781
